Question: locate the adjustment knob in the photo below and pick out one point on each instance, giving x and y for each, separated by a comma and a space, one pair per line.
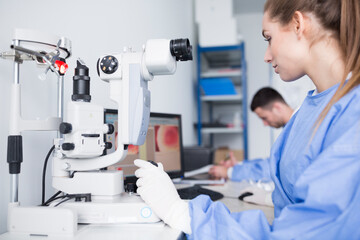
111, 128
108, 145
108, 64
68, 146
153, 163
65, 128
130, 188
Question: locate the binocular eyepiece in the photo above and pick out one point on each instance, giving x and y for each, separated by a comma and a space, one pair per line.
181, 49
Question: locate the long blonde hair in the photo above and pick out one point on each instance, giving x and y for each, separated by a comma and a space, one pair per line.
342, 18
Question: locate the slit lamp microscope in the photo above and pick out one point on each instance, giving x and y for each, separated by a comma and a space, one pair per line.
89, 194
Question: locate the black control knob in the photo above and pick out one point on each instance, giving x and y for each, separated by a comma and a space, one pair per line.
108, 64
111, 129
153, 163
130, 187
68, 146
108, 145
65, 128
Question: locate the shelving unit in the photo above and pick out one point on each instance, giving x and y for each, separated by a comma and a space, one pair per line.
222, 98
220, 62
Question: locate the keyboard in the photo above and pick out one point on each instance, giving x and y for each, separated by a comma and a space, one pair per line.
201, 176
194, 191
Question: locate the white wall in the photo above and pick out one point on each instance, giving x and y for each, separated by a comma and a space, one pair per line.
250, 27
95, 28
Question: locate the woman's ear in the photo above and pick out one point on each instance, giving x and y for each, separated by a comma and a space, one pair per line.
298, 23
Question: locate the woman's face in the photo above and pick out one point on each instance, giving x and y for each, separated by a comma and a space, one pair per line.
286, 50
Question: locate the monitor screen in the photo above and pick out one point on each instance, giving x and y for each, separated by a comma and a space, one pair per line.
163, 144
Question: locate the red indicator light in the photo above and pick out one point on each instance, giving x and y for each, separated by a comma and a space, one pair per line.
61, 66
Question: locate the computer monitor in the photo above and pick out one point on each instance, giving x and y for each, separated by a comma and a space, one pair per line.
163, 144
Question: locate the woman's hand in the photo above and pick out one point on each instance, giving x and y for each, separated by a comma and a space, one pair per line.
157, 190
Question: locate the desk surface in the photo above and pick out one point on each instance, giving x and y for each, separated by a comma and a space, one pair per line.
230, 190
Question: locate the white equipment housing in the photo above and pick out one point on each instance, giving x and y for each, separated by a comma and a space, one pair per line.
129, 89
77, 170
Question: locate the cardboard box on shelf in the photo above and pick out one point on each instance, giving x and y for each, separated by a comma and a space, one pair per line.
209, 9
223, 153
218, 32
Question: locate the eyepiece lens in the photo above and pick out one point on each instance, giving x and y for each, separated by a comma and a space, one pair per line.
181, 49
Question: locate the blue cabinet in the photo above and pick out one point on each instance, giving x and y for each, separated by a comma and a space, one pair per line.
222, 95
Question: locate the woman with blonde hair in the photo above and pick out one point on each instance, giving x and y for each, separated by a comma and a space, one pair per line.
315, 162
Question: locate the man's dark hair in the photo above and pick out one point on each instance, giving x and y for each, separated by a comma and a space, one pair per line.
264, 97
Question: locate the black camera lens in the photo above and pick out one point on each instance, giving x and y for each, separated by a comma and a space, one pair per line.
181, 49
81, 83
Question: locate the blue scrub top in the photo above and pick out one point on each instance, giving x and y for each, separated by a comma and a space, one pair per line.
256, 169
316, 176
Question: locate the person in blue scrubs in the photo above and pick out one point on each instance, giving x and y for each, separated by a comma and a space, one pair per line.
315, 162
272, 109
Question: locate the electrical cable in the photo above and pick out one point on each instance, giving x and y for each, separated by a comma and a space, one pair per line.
63, 201
49, 201
44, 174
55, 196
86, 196
72, 174
52, 198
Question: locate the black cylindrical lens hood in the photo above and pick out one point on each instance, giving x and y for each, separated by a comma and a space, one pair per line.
81, 83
